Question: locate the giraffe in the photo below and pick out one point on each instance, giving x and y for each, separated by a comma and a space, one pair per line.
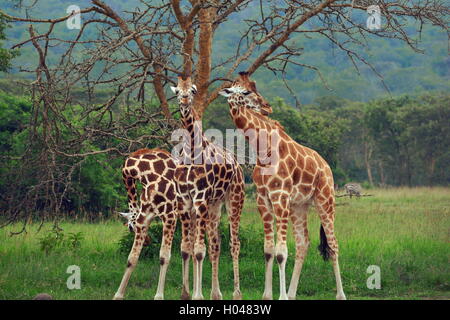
155, 169
207, 177
299, 177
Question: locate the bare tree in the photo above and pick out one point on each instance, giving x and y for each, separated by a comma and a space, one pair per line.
139, 52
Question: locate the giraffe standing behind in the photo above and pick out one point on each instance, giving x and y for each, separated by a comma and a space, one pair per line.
155, 170
298, 177
207, 177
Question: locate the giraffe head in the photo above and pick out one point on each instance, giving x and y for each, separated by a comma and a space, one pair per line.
185, 92
131, 224
131, 220
242, 92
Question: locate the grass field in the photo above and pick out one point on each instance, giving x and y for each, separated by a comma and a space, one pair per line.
403, 231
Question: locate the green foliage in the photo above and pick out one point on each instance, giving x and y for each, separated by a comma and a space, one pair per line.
74, 240
311, 128
411, 134
404, 140
404, 71
6, 55
246, 236
402, 230
152, 250
55, 239
52, 240
14, 116
250, 191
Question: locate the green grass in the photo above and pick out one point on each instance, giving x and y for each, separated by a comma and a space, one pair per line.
404, 231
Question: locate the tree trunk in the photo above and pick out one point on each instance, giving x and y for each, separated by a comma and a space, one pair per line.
431, 170
367, 156
206, 17
382, 178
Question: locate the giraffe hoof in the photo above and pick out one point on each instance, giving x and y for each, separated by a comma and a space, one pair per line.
200, 297
159, 297
284, 297
292, 298
341, 297
267, 297
237, 295
185, 295
118, 297
216, 296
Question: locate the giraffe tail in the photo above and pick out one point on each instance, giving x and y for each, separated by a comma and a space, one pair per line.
324, 248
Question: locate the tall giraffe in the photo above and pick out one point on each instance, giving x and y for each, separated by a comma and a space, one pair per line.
299, 176
207, 177
155, 169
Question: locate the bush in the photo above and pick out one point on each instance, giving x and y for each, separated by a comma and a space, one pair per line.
152, 250
250, 191
251, 238
55, 239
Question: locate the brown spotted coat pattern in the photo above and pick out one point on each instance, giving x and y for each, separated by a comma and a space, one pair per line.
155, 170
208, 177
299, 177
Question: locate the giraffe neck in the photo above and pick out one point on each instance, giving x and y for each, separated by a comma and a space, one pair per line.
258, 130
193, 146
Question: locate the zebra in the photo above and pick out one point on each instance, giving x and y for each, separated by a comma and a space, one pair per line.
352, 189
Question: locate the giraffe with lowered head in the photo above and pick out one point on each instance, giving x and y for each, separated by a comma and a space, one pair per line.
155, 169
293, 179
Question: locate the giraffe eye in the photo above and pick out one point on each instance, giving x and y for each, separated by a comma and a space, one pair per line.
246, 93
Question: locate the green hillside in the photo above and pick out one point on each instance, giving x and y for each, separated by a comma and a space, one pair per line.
404, 71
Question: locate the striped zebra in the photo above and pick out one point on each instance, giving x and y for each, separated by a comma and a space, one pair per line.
353, 189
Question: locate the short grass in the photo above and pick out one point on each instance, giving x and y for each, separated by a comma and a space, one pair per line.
403, 231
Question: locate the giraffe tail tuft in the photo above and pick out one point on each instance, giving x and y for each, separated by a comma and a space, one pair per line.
324, 248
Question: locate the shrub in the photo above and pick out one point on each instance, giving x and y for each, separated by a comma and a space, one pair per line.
251, 241
55, 238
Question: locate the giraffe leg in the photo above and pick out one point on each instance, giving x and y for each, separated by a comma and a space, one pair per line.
212, 227
281, 209
133, 257
264, 209
326, 211
193, 236
234, 209
300, 230
186, 252
169, 224
201, 211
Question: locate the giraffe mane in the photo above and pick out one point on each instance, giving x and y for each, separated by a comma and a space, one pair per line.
266, 119
146, 151
244, 80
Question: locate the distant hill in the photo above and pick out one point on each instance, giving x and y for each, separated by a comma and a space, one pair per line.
403, 70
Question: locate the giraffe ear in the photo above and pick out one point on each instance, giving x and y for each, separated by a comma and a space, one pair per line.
174, 89
126, 215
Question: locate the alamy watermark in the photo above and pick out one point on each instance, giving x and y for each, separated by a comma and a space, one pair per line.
74, 280
74, 22
373, 10
374, 281
191, 150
